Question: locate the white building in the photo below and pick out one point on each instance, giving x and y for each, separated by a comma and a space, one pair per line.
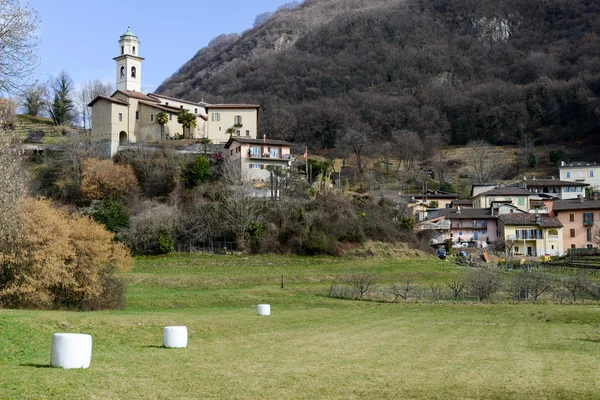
129, 116
581, 171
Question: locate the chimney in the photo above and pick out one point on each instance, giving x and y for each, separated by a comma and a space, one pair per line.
595, 195
580, 198
264, 138
458, 210
538, 219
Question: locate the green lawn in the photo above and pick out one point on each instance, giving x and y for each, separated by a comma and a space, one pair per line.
310, 347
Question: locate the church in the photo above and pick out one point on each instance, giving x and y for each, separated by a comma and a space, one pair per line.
129, 116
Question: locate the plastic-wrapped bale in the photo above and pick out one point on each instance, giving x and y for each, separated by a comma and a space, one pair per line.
175, 336
264, 309
71, 350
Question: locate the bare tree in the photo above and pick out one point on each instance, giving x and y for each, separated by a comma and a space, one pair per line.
33, 99
483, 283
408, 147
485, 161
88, 92
363, 282
457, 286
401, 291
12, 182
18, 43
356, 139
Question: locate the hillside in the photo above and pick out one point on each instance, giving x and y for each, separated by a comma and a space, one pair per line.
448, 70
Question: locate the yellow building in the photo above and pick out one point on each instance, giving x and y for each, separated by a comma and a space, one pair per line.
532, 234
129, 116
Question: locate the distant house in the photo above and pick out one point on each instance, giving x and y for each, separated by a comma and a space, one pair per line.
421, 203
515, 195
579, 218
532, 234
555, 188
254, 158
581, 172
470, 224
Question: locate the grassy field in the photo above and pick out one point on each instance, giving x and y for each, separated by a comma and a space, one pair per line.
311, 346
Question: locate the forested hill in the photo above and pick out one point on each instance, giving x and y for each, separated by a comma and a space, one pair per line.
434, 70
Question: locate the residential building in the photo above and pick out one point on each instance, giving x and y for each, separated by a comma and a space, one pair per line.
582, 172
129, 116
554, 188
254, 158
470, 224
515, 195
533, 234
421, 203
579, 218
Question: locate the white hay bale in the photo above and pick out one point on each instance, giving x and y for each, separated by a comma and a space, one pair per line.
71, 350
175, 336
264, 309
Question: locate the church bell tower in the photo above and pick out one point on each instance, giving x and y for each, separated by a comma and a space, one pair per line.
129, 64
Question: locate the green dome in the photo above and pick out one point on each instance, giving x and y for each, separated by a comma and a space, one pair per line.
128, 33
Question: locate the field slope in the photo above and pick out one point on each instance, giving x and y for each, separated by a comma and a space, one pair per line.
310, 347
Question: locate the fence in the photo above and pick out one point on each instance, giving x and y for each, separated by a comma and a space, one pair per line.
217, 246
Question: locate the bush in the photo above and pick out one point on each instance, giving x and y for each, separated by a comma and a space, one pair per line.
102, 179
164, 243
148, 230
196, 173
60, 261
110, 213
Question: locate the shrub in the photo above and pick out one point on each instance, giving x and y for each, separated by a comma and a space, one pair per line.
102, 179
60, 261
145, 229
110, 213
164, 243
196, 173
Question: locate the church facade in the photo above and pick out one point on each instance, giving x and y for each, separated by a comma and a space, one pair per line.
129, 116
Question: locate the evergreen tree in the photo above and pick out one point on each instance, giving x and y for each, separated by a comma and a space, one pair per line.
62, 108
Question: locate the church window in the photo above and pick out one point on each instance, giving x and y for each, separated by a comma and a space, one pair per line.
120, 116
180, 106
170, 117
151, 117
122, 72
137, 115
122, 50
133, 72
134, 50
195, 111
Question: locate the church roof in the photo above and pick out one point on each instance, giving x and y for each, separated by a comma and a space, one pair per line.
111, 99
136, 95
161, 96
169, 109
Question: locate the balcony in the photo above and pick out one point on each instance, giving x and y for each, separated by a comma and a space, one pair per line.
264, 156
554, 237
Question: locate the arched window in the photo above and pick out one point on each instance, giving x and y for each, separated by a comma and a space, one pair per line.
122, 72
133, 72
134, 50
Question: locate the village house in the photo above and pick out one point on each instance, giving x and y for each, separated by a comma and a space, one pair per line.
579, 218
533, 234
254, 159
470, 224
582, 172
554, 188
515, 195
129, 116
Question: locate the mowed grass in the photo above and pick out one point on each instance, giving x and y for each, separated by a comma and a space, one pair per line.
310, 347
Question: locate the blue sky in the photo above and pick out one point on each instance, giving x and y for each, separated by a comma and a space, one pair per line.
81, 37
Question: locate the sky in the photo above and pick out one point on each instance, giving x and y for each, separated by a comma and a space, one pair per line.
81, 37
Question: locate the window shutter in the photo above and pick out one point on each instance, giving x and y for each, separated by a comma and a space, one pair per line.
262, 166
